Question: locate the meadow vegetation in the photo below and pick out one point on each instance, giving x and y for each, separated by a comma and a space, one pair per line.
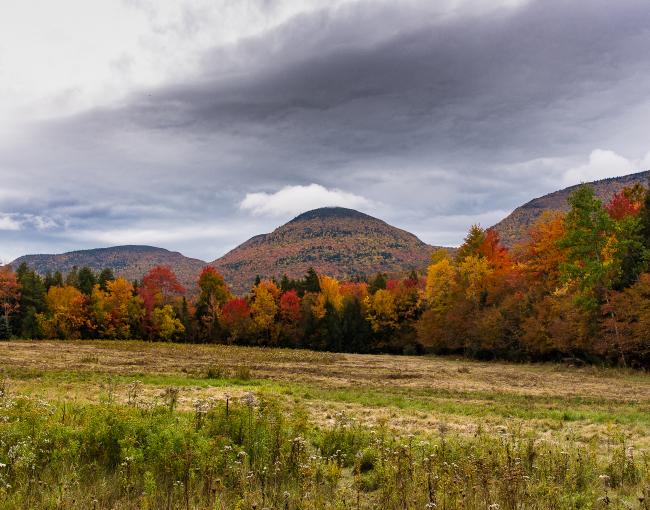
101, 424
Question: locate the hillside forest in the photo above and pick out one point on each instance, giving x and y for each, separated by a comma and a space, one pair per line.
577, 288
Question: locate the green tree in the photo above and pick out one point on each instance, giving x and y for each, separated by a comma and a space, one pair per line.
472, 243
644, 217
53, 280
87, 280
72, 278
32, 302
590, 245
378, 283
311, 281
106, 275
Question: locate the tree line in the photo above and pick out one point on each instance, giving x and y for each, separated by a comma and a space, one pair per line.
578, 287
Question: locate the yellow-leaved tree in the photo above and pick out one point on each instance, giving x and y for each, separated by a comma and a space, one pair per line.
441, 280
474, 272
264, 307
381, 310
330, 294
166, 324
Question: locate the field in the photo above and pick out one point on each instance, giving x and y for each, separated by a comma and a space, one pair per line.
192, 426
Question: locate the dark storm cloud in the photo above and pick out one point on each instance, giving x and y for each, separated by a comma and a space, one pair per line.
434, 120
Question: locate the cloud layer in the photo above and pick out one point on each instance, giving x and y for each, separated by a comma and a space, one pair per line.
297, 199
224, 119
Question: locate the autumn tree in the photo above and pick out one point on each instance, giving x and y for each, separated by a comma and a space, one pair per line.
264, 308
626, 328
167, 325
541, 255
9, 299
381, 311
213, 295
159, 287
116, 311
440, 282
236, 318
474, 272
290, 307
66, 315
329, 296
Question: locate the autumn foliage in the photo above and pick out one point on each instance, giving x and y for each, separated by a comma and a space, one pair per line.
578, 287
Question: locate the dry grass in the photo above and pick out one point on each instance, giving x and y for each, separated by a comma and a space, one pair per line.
408, 393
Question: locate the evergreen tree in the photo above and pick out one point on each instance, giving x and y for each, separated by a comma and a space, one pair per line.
106, 275
32, 301
472, 243
72, 278
378, 283
5, 329
57, 280
311, 281
285, 283
355, 329
589, 234
644, 217
186, 319
87, 280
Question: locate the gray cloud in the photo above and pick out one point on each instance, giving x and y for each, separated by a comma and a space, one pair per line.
434, 120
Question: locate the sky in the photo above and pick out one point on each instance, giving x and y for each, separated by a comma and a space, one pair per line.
195, 125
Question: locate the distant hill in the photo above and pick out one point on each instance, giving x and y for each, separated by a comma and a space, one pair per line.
335, 241
514, 227
131, 262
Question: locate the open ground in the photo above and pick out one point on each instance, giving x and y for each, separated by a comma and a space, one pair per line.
426, 395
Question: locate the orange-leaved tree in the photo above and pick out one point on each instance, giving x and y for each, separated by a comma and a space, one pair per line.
9, 299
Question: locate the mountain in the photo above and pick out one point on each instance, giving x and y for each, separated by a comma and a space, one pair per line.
131, 262
333, 240
514, 227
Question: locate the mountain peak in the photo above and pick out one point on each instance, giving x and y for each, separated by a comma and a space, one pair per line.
335, 241
324, 213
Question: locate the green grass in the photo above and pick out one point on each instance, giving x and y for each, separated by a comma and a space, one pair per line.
99, 425
448, 402
255, 453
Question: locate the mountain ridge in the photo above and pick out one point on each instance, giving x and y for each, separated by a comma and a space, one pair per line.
513, 229
130, 261
340, 242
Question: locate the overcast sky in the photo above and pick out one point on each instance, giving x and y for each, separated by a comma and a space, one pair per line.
193, 126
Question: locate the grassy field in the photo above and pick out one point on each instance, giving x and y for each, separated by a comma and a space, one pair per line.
355, 431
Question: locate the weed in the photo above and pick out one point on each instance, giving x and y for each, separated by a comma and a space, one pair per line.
243, 373
215, 372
